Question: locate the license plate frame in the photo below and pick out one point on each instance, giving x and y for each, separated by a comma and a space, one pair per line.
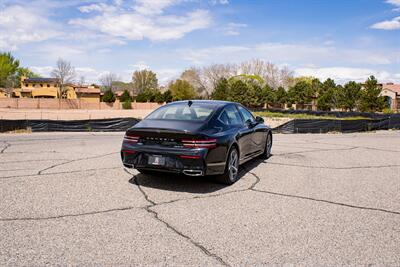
156, 160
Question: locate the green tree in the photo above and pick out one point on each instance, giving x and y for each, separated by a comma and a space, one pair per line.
327, 95
268, 95
167, 96
182, 90
350, 96
24, 72
108, 96
159, 97
301, 93
125, 96
370, 99
280, 95
8, 70
144, 80
221, 90
147, 95
240, 92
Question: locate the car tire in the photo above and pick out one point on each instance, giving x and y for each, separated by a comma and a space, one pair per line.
231, 174
268, 147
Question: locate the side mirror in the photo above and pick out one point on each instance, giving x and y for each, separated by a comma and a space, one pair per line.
259, 120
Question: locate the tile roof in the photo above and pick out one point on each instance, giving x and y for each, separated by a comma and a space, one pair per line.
392, 87
87, 90
41, 80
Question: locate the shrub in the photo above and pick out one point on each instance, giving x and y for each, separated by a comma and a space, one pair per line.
125, 96
167, 96
127, 104
109, 97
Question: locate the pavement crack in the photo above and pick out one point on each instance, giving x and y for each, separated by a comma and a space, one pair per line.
322, 200
7, 145
74, 160
172, 228
335, 168
316, 150
65, 215
52, 173
360, 147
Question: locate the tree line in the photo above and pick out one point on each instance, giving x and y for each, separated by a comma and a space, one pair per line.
252, 91
253, 83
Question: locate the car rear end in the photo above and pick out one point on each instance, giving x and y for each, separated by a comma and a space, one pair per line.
171, 139
166, 150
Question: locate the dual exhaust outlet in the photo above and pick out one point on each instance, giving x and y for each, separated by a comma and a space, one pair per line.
193, 172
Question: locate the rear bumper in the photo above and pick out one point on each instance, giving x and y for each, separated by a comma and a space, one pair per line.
192, 162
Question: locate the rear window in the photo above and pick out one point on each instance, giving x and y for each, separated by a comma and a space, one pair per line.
182, 112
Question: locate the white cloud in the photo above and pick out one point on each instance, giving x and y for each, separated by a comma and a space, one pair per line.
344, 74
101, 7
43, 71
393, 24
153, 7
233, 28
141, 65
221, 2
394, 2
287, 52
146, 20
21, 24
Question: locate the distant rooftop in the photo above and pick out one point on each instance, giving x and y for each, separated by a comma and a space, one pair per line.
87, 90
40, 80
392, 87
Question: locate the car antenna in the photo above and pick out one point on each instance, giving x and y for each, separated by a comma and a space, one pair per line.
190, 102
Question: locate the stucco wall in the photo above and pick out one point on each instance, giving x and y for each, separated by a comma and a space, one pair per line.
47, 103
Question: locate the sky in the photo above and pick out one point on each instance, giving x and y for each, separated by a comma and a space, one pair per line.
341, 39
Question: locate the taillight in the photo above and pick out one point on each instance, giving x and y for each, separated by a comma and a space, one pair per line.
131, 138
206, 143
128, 151
189, 157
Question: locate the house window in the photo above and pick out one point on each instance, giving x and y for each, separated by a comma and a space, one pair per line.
41, 85
48, 85
26, 85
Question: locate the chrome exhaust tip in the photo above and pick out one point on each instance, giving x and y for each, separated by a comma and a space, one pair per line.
193, 172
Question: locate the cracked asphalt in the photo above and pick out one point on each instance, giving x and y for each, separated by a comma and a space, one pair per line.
331, 199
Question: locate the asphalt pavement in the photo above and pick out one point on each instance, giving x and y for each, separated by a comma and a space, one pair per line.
321, 200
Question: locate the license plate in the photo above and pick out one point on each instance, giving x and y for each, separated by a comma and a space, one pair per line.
156, 160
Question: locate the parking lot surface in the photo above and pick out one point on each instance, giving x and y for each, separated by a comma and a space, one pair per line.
331, 199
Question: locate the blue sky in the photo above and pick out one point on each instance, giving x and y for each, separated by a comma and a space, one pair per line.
342, 39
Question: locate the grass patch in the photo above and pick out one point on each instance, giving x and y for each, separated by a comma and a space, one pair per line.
269, 114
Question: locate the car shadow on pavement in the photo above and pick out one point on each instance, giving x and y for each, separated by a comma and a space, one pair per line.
188, 184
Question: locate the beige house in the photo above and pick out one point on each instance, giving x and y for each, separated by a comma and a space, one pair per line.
3, 93
41, 88
392, 92
88, 93
48, 88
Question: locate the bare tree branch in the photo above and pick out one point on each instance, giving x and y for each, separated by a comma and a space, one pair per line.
65, 74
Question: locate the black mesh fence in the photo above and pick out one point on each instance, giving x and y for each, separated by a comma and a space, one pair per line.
103, 125
122, 124
343, 126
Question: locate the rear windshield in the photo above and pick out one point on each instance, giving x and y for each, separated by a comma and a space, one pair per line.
182, 112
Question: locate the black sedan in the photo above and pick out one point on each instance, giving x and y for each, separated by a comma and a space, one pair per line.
197, 138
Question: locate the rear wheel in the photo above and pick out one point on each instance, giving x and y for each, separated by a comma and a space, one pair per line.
231, 174
268, 147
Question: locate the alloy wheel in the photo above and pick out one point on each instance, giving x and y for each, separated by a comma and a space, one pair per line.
268, 145
233, 165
